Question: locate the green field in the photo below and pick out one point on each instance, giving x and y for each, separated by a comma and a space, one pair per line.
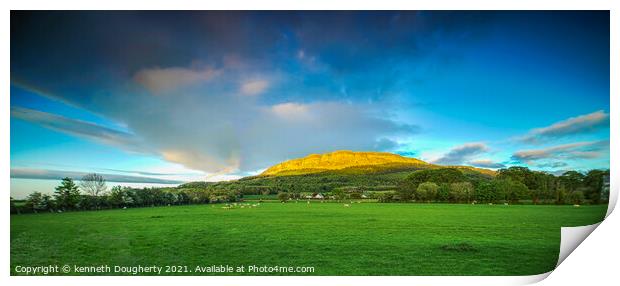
364, 239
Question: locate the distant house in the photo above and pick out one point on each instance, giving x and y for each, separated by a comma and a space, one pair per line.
318, 196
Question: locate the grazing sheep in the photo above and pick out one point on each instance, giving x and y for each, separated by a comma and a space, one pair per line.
347, 205
575, 205
505, 204
490, 204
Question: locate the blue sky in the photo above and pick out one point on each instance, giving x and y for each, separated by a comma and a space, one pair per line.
181, 96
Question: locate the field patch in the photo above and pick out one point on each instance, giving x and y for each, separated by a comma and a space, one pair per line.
362, 239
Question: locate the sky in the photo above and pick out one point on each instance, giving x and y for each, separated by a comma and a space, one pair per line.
152, 98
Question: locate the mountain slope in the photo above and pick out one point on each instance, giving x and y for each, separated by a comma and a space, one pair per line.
354, 162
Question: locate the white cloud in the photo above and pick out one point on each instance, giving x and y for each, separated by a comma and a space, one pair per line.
578, 150
290, 111
158, 80
254, 87
572, 126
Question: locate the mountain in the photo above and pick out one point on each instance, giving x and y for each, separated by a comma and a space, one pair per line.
369, 171
349, 162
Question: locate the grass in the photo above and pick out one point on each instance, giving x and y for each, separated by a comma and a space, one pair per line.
364, 239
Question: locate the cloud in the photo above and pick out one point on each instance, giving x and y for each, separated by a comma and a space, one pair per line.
141, 172
26, 173
290, 111
207, 128
254, 87
460, 154
486, 163
78, 128
578, 150
158, 80
572, 126
556, 164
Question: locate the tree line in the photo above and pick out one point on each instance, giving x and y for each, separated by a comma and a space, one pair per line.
511, 185
92, 194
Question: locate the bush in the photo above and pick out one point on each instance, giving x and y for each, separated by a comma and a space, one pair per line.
283, 196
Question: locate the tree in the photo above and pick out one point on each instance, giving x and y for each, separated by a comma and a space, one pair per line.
576, 197
427, 191
516, 191
560, 194
117, 196
406, 190
339, 194
593, 184
572, 180
67, 195
283, 196
408, 187
93, 184
386, 197
461, 192
38, 202
486, 192
14, 208
443, 193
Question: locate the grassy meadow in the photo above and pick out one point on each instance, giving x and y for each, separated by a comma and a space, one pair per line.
363, 239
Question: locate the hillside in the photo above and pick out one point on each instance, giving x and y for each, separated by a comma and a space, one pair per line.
372, 171
349, 162
343, 161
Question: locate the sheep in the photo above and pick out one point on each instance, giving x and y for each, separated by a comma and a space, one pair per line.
576, 205
505, 204
347, 205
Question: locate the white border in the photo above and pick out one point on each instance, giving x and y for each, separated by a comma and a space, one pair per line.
593, 262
